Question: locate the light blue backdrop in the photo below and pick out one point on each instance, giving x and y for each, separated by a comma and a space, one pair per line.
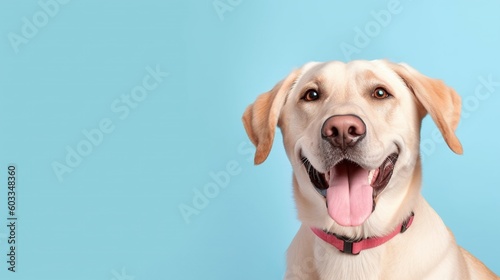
117, 114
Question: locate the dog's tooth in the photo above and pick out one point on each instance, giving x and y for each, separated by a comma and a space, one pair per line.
370, 176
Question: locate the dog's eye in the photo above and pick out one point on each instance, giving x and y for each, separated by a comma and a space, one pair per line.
311, 95
380, 93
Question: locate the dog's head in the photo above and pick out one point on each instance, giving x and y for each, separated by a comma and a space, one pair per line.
351, 132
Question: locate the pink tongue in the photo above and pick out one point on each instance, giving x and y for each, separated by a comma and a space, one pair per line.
349, 196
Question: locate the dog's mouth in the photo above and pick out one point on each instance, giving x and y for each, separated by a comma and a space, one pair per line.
349, 189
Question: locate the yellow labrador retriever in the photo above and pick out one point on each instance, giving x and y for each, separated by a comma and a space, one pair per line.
351, 132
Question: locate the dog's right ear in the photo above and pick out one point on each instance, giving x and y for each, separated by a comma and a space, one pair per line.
261, 118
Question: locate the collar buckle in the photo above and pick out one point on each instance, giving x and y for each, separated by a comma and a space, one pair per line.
348, 248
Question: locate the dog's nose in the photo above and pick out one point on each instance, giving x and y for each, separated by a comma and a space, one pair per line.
343, 130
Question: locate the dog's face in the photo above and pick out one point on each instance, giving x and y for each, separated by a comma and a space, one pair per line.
351, 132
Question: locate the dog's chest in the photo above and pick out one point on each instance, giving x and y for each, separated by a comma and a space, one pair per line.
332, 265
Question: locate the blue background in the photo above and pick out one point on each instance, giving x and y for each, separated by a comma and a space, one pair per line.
116, 215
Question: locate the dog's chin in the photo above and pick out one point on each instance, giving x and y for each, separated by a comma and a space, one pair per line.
348, 183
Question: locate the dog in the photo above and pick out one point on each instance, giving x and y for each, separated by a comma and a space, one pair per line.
352, 133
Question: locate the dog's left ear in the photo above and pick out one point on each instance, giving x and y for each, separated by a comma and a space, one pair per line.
441, 102
261, 118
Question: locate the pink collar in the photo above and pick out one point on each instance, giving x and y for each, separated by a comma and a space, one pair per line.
354, 247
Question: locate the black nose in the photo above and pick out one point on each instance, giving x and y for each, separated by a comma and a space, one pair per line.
343, 131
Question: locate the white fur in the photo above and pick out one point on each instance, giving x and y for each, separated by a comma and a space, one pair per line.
427, 250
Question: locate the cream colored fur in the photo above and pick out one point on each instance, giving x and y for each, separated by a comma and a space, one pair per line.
427, 250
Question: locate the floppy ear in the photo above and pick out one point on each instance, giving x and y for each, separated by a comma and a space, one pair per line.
261, 117
441, 102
